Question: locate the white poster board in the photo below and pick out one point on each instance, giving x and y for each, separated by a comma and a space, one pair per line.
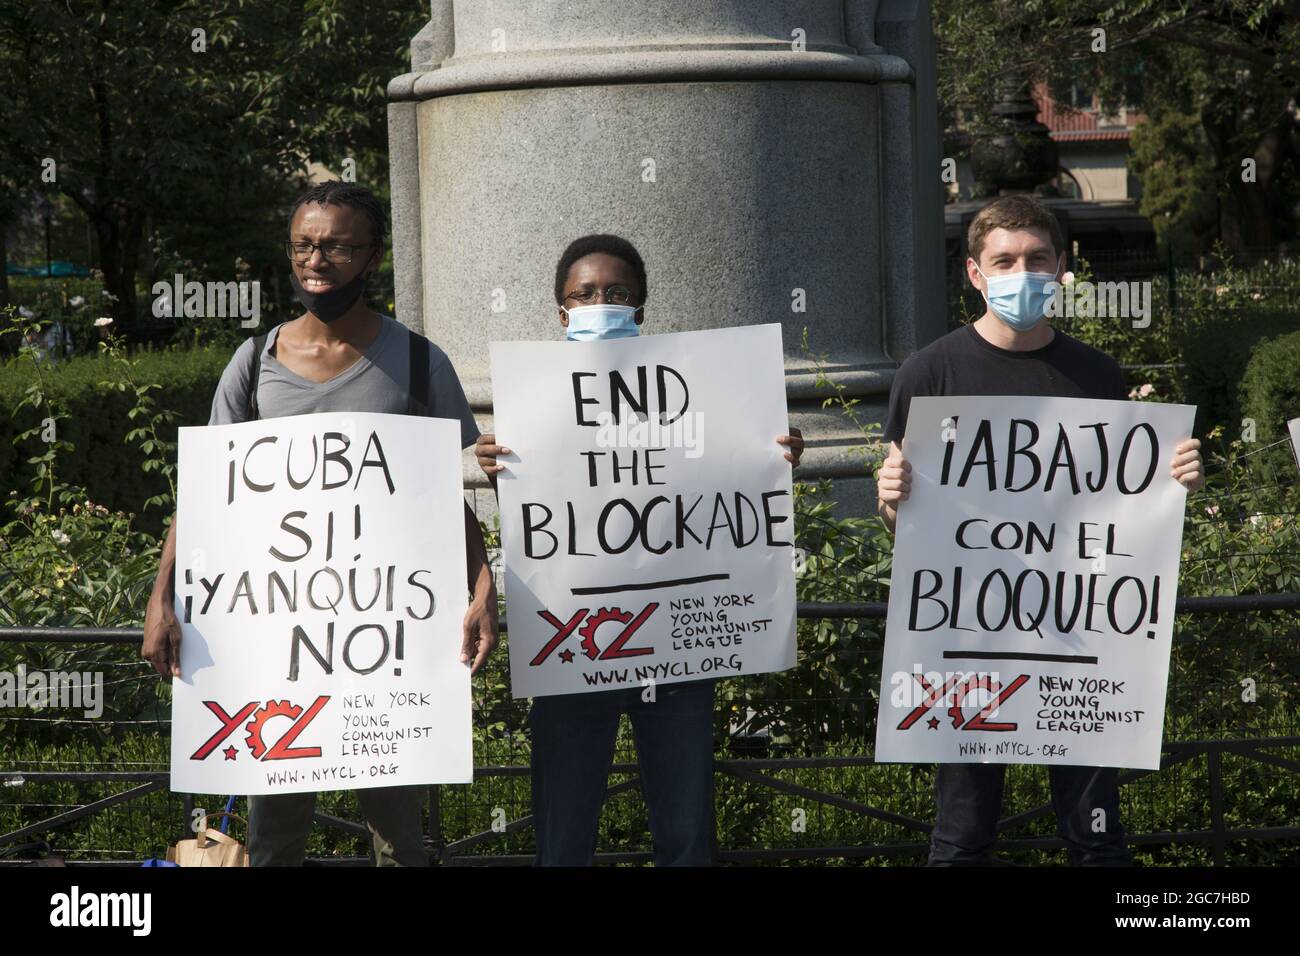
321, 589
1033, 584
642, 549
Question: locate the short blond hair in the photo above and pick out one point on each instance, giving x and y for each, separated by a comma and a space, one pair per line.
1018, 211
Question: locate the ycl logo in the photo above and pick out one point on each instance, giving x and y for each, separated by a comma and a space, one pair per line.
617, 648
958, 689
255, 741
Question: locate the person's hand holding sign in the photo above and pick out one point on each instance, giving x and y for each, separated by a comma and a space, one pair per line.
793, 441
480, 630
162, 639
161, 646
893, 484
480, 624
486, 449
1186, 465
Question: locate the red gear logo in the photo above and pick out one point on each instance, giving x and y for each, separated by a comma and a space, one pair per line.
588, 630
273, 708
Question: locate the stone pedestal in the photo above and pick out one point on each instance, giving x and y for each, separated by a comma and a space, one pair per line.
772, 160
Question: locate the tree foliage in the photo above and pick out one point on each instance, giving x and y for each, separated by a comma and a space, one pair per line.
193, 116
1229, 67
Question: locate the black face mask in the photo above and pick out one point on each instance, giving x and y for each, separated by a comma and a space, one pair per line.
332, 305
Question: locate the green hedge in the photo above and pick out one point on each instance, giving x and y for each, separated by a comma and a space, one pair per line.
103, 462
1216, 351
1270, 387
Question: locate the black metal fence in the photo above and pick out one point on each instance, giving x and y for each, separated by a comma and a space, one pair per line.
1224, 792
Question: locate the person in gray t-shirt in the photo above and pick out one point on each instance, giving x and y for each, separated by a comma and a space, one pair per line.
336, 357
375, 382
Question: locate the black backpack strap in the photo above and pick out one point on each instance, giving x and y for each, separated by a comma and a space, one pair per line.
418, 401
259, 343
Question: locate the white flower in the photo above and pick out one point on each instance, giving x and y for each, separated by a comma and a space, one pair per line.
1212, 510
1146, 390
102, 321
60, 538
25, 312
1255, 519
76, 302
1257, 296
1067, 279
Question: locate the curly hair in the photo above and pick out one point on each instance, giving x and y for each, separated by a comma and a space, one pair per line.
614, 246
346, 194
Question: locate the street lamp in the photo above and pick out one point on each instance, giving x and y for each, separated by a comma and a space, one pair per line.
46, 209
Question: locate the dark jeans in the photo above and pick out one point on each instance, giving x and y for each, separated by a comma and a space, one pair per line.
969, 802
279, 824
573, 749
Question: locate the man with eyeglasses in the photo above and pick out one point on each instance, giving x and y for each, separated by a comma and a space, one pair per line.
600, 291
338, 356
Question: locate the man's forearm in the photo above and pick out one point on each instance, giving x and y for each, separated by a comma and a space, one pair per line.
163, 585
476, 559
888, 514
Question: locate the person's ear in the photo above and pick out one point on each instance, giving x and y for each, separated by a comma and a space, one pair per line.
376, 258
639, 315
1060, 267
564, 316
973, 274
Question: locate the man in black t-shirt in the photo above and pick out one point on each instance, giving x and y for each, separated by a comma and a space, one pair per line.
1016, 253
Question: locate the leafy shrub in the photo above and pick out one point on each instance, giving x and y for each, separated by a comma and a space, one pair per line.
98, 419
1270, 387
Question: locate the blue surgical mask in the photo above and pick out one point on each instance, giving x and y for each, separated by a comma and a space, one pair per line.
1021, 298
590, 323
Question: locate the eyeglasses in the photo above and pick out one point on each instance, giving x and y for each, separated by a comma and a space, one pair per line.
615, 295
332, 251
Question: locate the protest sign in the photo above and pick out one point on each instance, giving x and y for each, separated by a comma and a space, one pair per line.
1033, 583
646, 513
321, 590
